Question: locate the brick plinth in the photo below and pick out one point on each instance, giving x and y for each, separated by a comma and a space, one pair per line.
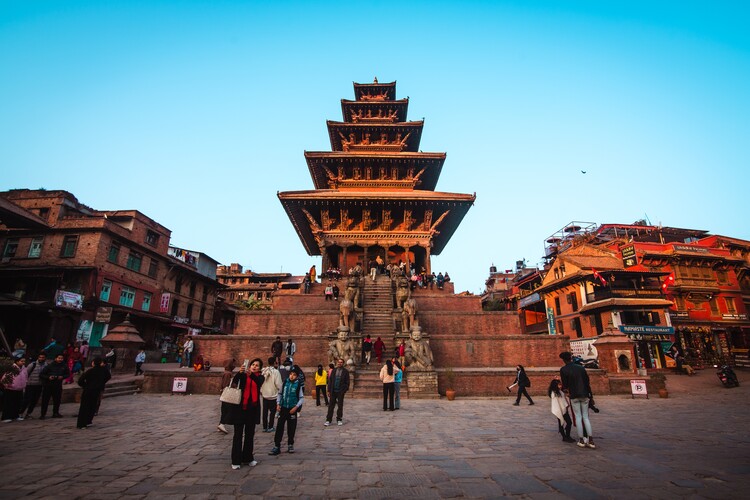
198, 382
286, 323
422, 385
493, 382
472, 349
311, 349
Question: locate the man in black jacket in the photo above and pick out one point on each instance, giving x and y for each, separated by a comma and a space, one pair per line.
52, 377
93, 382
338, 384
575, 382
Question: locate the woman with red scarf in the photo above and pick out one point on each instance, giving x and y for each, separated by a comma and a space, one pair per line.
246, 415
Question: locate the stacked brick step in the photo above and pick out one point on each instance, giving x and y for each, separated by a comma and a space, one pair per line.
125, 388
377, 304
367, 384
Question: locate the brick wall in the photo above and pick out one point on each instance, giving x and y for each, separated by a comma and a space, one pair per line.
311, 349
473, 350
493, 382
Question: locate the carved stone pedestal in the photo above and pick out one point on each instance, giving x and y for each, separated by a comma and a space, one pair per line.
422, 384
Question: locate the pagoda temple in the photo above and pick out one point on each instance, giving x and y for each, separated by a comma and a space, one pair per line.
375, 190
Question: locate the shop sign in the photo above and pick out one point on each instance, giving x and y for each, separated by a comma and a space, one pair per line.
103, 314
685, 248
164, 303
638, 388
530, 299
584, 348
181, 320
84, 330
679, 314
734, 316
629, 259
179, 384
551, 321
68, 300
647, 329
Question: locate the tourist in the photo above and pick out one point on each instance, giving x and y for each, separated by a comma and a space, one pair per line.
140, 358
13, 383
414, 282
111, 359
338, 384
335, 292
379, 347
387, 376
226, 379
52, 377
440, 279
93, 382
321, 380
84, 354
269, 390
397, 379
446, 277
19, 348
328, 292
401, 348
313, 274
288, 405
285, 369
522, 381
560, 410
373, 266
291, 349
575, 382
366, 349
34, 384
379, 261
306, 283
246, 415
276, 349
53, 349
187, 351
74, 364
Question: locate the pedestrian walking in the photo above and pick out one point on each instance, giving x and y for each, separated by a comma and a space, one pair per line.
397, 379
366, 349
93, 382
270, 390
387, 376
575, 382
140, 358
328, 292
379, 347
33, 390
13, 382
52, 378
402, 352
187, 351
226, 379
111, 359
291, 349
288, 405
276, 349
338, 384
522, 381
246, 415
321, 380
559, 409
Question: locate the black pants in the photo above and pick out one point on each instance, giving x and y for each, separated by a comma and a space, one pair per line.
565, 431
522, 390
389, 392
336, 398
291, 427
242, 443
138, 370
12, 404
31, 398
51, 390
269, 412
89, 401
321, 389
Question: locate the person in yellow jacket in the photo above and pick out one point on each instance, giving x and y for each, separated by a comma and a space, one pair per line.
321, 381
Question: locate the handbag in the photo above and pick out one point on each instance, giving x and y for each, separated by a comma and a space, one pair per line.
231, 395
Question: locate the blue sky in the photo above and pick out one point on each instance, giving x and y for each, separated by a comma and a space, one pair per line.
197, 113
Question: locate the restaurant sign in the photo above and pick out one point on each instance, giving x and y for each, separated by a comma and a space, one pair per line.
648, 332
529, 299
629, 259
68, 300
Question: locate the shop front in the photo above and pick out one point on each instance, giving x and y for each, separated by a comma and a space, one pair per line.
652, 345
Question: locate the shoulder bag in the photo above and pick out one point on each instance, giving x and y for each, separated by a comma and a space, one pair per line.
231, 395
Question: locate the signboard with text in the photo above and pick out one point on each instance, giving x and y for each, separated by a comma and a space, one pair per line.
179, 384
164, 303
638, 388
551, 321
68, 300
629, 258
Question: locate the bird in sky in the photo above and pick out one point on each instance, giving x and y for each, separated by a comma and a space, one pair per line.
583, 171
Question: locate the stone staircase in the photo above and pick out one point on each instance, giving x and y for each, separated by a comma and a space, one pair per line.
367, 384
122, 388
377, 307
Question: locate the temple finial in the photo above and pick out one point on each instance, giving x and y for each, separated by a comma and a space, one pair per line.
376, 80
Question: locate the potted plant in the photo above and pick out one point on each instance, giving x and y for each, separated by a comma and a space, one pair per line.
450, 376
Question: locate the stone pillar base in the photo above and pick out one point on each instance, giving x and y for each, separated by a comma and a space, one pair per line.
422, 384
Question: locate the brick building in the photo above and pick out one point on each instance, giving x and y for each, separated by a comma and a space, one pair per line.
251, 287
72, 272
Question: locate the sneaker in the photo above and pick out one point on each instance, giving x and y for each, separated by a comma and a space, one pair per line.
235, 467
20, 419
7, 420
290, 449
515, 404
567, 439
531, 403
222, 428
253, 463
339, 423
271, 429
591, 444
581, 443
327, 423
275, 451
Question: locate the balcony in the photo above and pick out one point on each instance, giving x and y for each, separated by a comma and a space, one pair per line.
622, 293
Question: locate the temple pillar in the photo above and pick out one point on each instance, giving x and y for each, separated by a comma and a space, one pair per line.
427, 263
344, 268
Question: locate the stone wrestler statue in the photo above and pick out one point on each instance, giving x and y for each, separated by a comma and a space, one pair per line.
418, 353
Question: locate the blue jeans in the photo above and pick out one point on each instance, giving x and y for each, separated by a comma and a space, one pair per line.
581, 411
397, 395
